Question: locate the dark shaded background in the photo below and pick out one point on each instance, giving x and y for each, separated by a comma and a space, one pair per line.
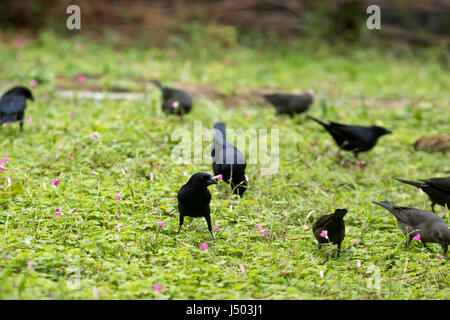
424, 22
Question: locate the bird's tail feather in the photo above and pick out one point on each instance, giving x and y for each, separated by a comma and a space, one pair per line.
317, 120
385, 204
158, 84
10, 117
413, 183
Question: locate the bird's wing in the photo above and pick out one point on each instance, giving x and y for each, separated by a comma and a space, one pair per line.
13, 103
414, 217
439, 183
352, 132
322, 221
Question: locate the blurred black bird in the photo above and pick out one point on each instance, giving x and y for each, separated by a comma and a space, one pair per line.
13, 104
334, 225
429, 225
194, 198
174, 101
353, 138
290, 104
228, 161
437, 189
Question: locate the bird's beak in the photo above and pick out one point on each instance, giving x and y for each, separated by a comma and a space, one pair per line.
212, 181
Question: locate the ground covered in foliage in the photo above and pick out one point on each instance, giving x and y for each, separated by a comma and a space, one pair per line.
112, 247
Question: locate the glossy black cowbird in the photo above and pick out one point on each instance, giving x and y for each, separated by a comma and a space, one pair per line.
334, 226
437, 189
194, 198
228, 161
13, 104
353, 138
412, 221
290, 104
174, 101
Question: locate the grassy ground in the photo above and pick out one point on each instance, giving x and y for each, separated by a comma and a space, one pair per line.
82, 255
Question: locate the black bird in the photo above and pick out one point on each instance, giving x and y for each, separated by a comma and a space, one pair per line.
228, 161
290, 104
194, 198
13, 104
334, 225
175, 101
429, 225
437, 189
353, 138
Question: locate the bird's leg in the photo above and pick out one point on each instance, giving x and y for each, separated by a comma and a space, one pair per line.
181, 223
432, 207
339, 250
208, 221
21, 125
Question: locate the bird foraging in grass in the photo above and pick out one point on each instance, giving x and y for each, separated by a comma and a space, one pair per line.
194, 198
330, 228
228, 161
437, 189
290, 104
13, 104
174, 101
413, 222
353, 138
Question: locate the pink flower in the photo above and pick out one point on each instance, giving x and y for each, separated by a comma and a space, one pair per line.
118, 227
218, 177
123, 171
157, 288
29, 119
265, 231
321, 273
94, 172
30, 265
175, 104
160, 224
81, 78
358, 263
258, 226
439, 256
151, 176
33, 83
44, 96
95, 135
417, 237
45, 186
118, 197
73, 210
9, 181
95, 292
241, 266
216, 229
420, 191
185, 173
55, 183
4, 161
310, 259
245, 113
58, 212
78, 46
2, 168
21, 42
246, 177
324, 234
116, 217
72, 114
185, 244
309, 214
231, 207
204, 246
154, 213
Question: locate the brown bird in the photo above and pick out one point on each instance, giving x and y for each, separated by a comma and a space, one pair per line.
439, 143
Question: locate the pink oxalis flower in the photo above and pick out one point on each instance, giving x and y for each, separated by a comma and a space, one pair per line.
246, 177
216, 229
4, 160
265, 231
118, 227
73, 210
160, 224
324, 234
33, 83
118, 197
245, 113
241, 266
29, 119
204, 246
81, 78
2, 168
95, 292
30, 265
95, 135
175, 104
258, 226
417, 237
9, 181
58, 212
218, 177
20, 42
157, 288
151, 176
55, 182
420, 191
185, 244
94, 172
45, 186
439, 256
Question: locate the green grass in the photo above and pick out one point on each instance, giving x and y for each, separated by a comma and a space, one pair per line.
136, 136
